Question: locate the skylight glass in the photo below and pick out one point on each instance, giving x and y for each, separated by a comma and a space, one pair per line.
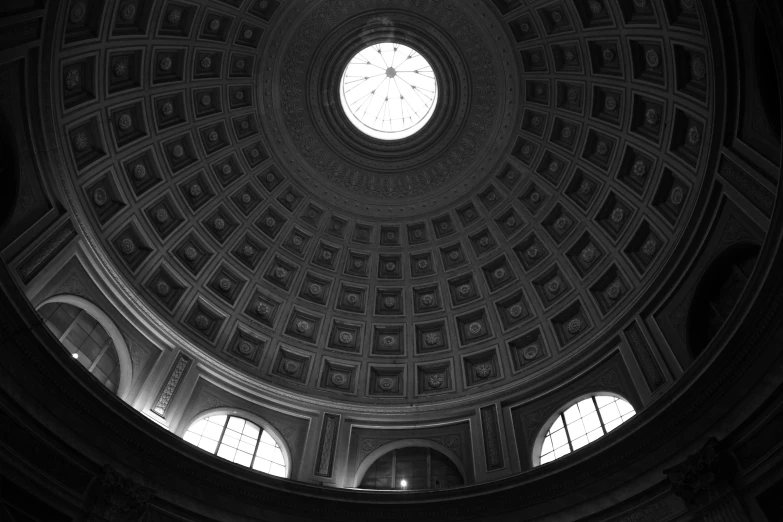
389, 91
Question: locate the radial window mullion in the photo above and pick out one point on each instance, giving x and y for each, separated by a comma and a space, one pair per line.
394, 469
600, 417
255, 451
222, 434
65, 333
101, 354
568, 435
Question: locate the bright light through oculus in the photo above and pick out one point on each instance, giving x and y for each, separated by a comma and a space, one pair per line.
389, 91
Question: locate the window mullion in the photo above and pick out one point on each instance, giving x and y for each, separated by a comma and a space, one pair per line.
394, 469
222, 434
102, 352
255, 450
600, 418
70, 327
568, 435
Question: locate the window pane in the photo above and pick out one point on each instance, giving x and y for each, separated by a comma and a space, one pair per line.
111, 352
208, 445
218, 419
226, 452
581, 441
59, 321
247, 448
84, 360
191, 437
90, 348
213, 431
265, 451
586, 407
559, 439
99, 335
106, 365
236, 424
243, 458
624, 407
577, 429
251, 430
261, 465
612, 425
595, 434
547, 458
277, 470
547, 446
603, 400
610, 413
591, 422
76, 336
572, 414
229, 440
113, 383
266, 437
248, 440
87, 322
564, 450
198, 427
100, 375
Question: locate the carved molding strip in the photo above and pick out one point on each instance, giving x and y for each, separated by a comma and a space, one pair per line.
177, 372
651, 371
747, 186
326, 446
492, 447
45, 252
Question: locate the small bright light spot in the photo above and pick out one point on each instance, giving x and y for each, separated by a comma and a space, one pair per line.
75, 355
404, 483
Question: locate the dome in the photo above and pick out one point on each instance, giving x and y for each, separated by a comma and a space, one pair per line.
240, 202
395, 235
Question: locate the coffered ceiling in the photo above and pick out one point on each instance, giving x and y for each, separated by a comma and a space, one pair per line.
232, 202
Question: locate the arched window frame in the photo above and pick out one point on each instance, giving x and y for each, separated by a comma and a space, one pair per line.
123, 354
255, 419
370, 459
539, 442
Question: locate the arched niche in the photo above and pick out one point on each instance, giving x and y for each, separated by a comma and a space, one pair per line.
717, 292
126, 365
252, 417
407, 443
535, 455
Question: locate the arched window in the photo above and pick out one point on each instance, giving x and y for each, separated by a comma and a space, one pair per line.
240, 441
412, 468
86, 339
580, 424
